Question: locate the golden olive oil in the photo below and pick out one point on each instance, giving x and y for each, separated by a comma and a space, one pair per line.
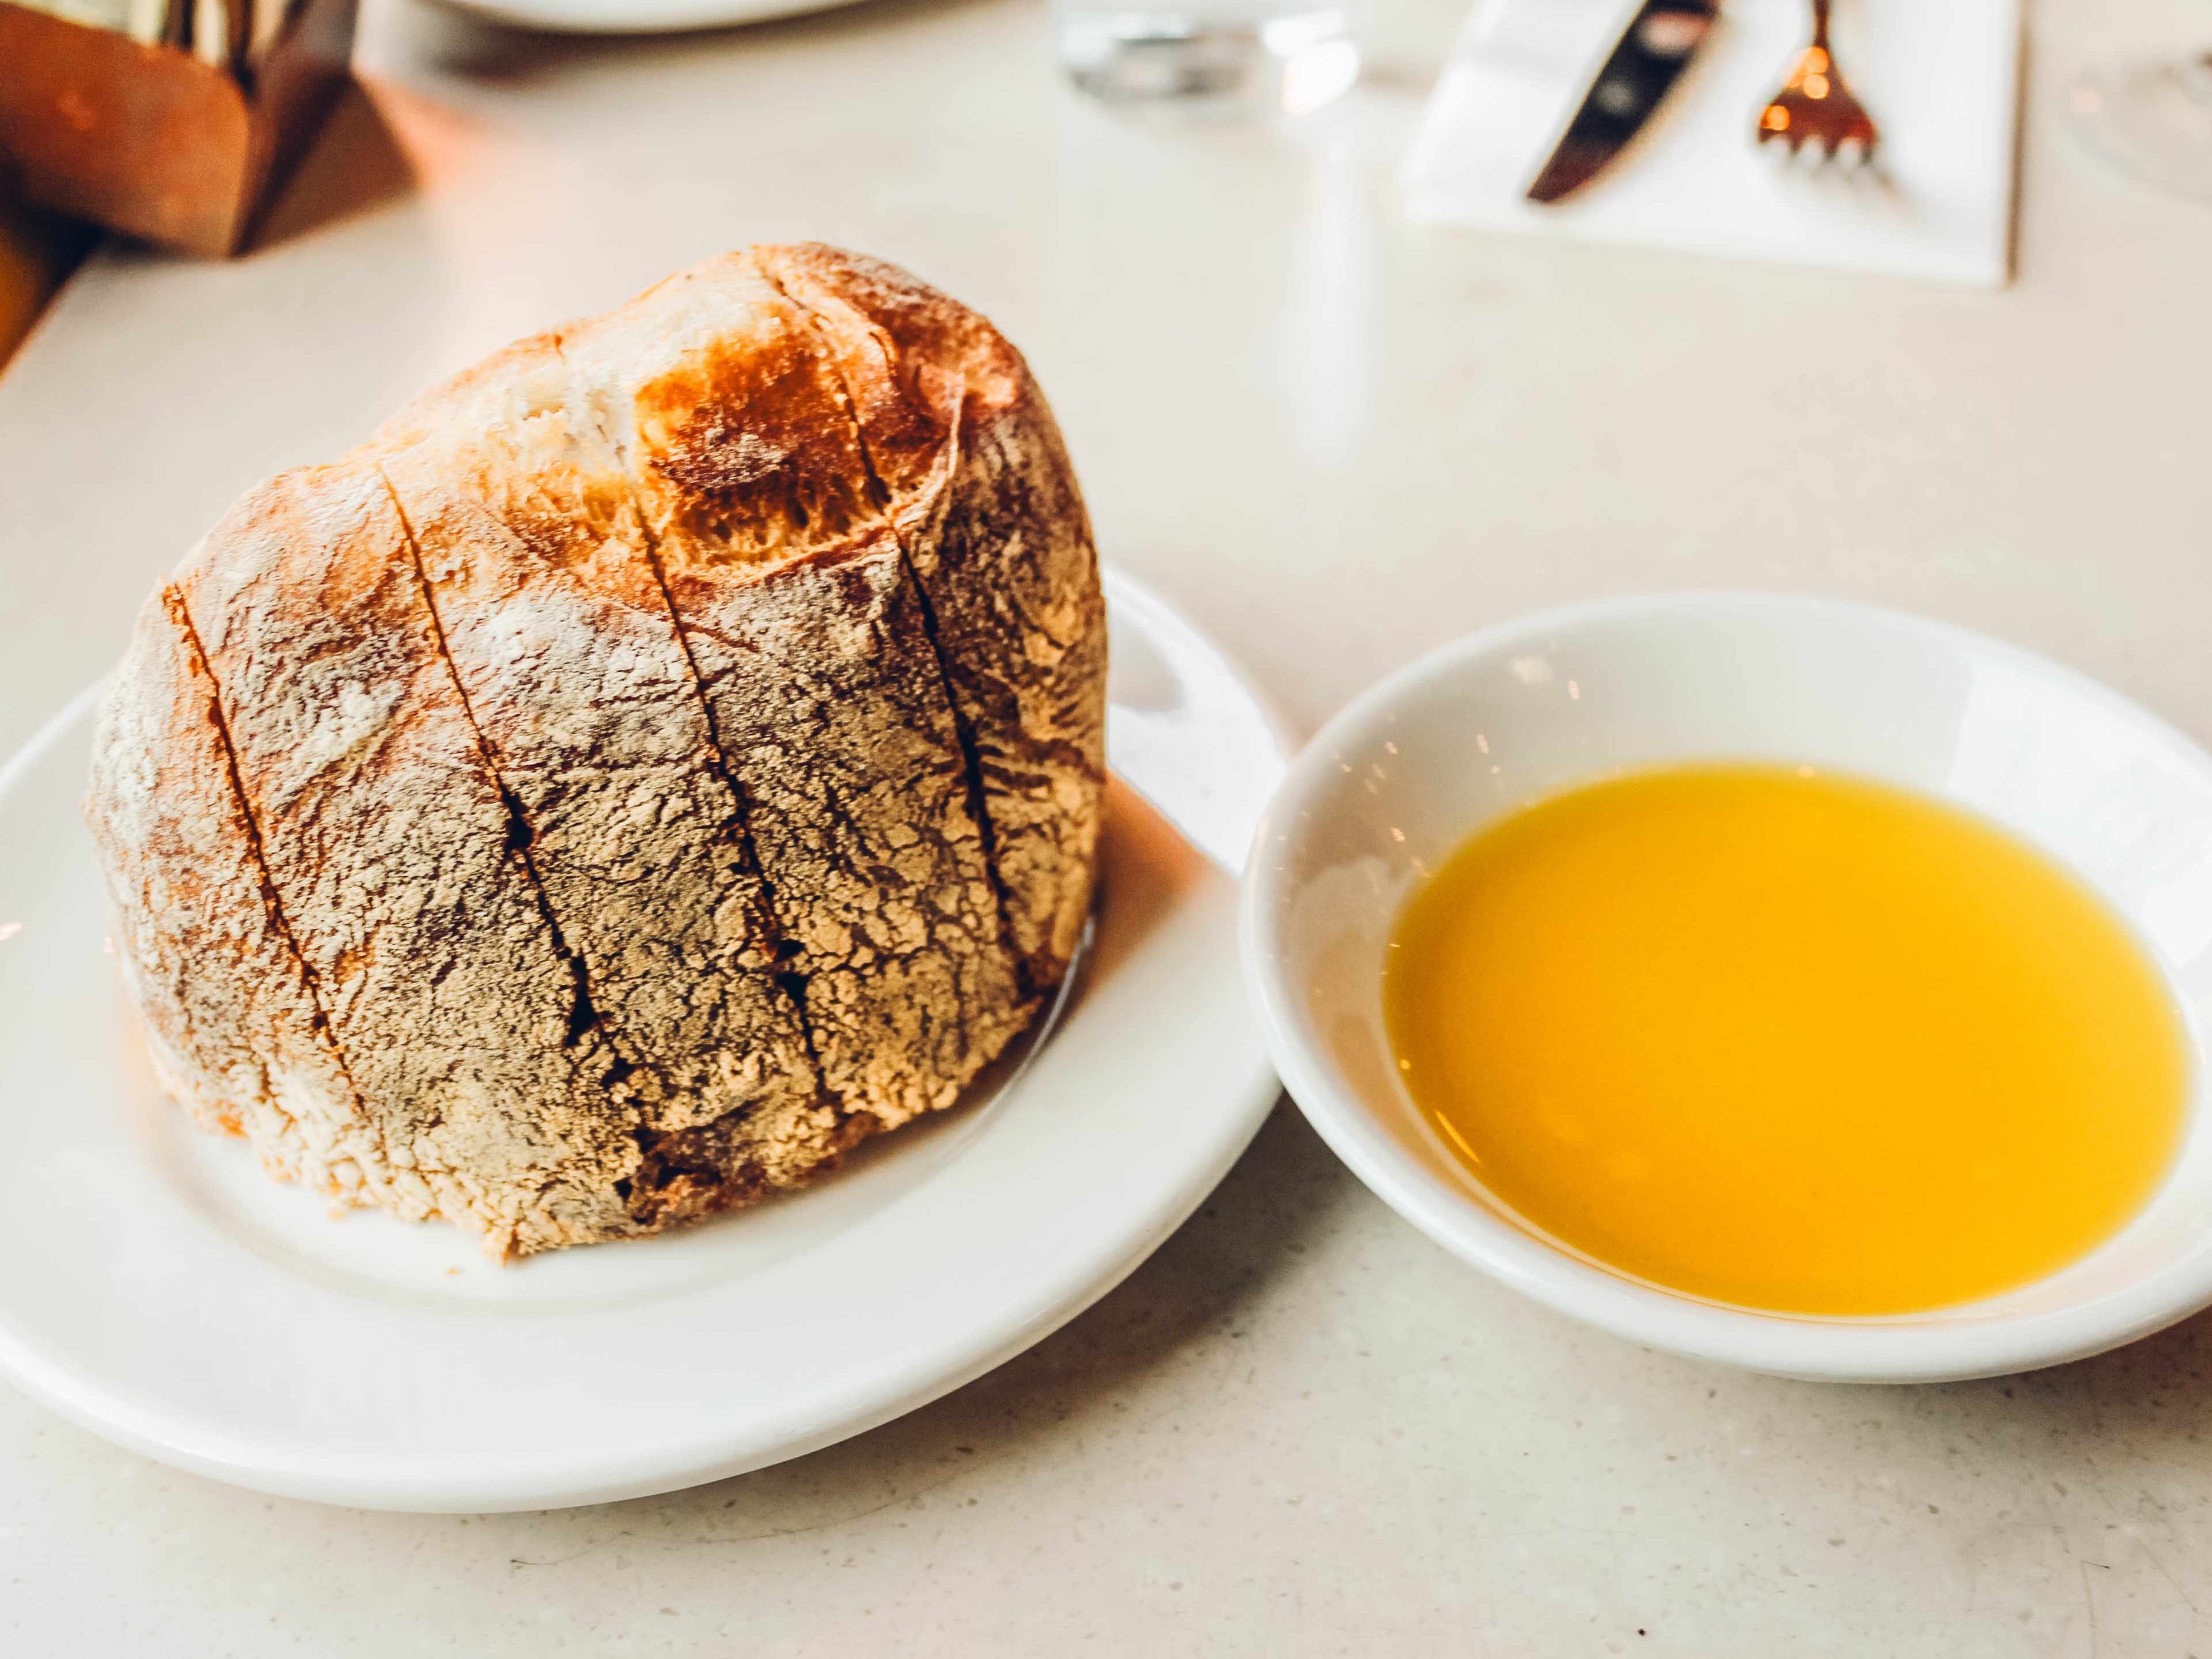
1793, 1040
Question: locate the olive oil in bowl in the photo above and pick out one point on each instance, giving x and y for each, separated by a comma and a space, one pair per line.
1796, 1041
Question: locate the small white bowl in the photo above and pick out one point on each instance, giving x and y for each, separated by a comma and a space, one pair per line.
1406, 773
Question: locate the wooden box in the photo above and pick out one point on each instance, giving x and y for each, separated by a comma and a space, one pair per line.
150, 140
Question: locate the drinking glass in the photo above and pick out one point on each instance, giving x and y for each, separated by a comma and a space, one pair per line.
1290, 55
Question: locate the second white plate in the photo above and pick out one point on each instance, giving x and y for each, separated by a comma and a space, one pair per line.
638, 17
155, 1287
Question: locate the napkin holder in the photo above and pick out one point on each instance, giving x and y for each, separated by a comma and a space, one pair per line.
151, 141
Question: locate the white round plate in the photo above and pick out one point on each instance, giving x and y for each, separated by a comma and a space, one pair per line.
157, 1288
638, 17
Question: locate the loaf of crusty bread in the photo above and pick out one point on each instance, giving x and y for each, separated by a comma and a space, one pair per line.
659, 757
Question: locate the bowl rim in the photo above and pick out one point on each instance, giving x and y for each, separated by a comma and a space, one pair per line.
1896, 1349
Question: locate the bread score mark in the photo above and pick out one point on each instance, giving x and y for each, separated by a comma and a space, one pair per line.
499, 1097
235, 1020
559, 634
782, 947
981, 493
963, 728
584, 1018
804, 625
272, 902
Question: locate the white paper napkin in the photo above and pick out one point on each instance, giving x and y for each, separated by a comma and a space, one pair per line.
1939, 77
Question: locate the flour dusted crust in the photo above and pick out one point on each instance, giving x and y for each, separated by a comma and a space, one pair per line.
598, 800
398, 866
986, 505
575, 678
232, 1029
828, 696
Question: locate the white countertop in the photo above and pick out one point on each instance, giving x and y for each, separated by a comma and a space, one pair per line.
1300, 1429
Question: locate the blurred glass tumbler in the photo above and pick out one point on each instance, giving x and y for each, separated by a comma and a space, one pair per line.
1290, 55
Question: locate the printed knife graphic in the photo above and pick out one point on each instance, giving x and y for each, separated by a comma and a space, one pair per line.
1659, 40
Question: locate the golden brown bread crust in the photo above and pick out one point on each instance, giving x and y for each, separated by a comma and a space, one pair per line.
232, 1029
462, 1017
986, 503
828, 699
578, 683
573, 811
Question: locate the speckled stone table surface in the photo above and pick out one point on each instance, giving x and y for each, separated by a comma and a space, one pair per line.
1336, 441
